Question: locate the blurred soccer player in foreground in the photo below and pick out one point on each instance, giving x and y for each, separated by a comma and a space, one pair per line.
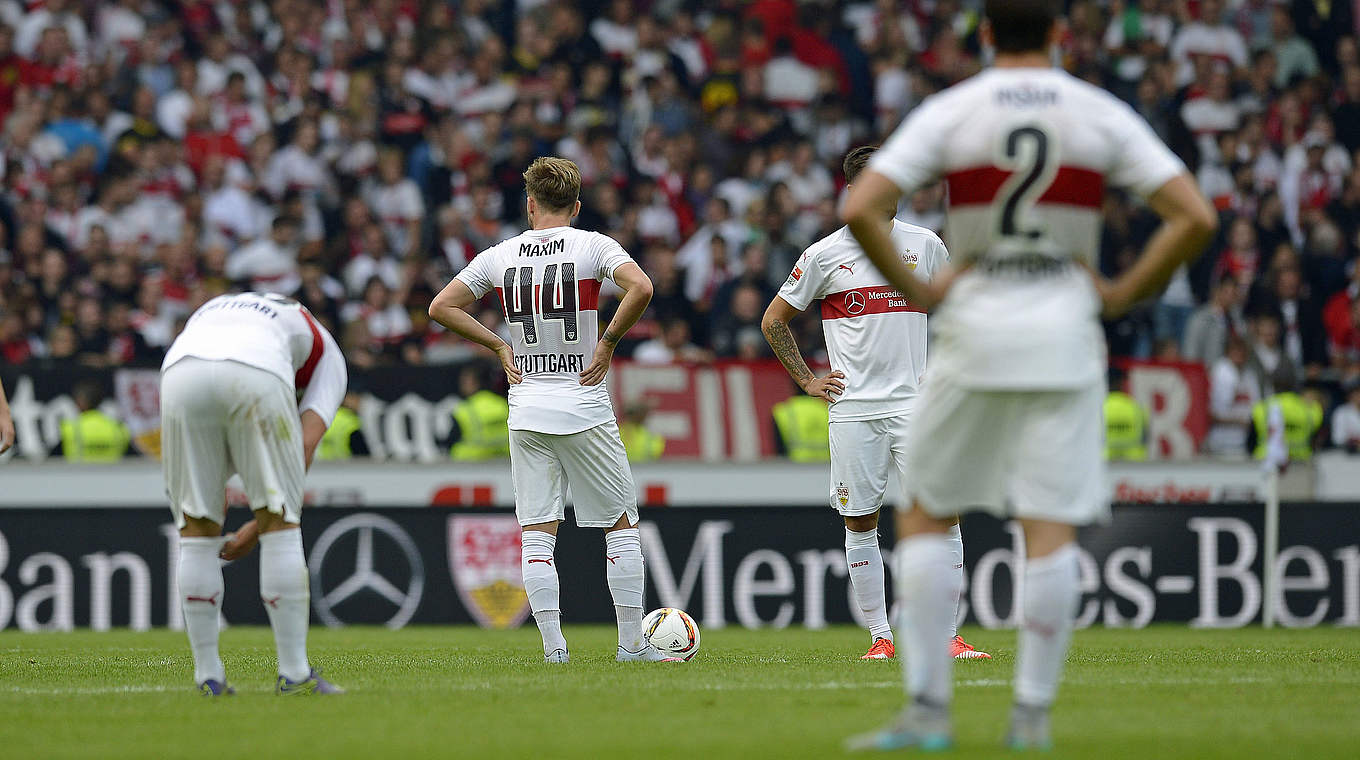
1009, 419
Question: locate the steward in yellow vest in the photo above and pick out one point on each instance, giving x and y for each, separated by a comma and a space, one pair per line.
1302, 418
336, 443
92, 436
803, 423
484, 426
1125, 428
641, 444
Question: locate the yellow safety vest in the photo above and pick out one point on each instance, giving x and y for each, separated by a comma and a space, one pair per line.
1302, 418
1125, 426
641, 444
803, 424
94, 437
335, 443
484, 422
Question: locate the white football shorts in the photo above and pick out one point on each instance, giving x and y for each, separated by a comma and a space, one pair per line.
220, 418
1031, 454
592, 462
863, 453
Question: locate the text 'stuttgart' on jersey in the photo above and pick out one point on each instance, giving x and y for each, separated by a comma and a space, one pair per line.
873, 334
1027, 154
274, 333
548, 282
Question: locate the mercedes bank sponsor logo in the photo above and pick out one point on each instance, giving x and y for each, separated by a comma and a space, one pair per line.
363, 575
854, 302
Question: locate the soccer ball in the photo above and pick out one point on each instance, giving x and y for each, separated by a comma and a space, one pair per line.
673, 632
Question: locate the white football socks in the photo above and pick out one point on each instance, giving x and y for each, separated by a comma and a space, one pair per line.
540, 583
926, 592
623, 571
1052, 590
865, 561
201, 592
956, 546
286, 594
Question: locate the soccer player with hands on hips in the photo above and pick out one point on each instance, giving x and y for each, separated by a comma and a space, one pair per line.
562, 426
1009, 419
876, 339
248, 388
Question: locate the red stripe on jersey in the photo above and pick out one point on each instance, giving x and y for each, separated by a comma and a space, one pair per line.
587, 295
858, 302
1072, 186
304, 373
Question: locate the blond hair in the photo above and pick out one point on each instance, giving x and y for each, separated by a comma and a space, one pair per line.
553, 182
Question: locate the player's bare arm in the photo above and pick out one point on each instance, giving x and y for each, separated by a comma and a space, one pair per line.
6, 423
449, 309
870, 193
1188, 224
637, 293
775, 325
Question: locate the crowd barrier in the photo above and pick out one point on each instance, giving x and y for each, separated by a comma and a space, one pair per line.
718, 412
769, 566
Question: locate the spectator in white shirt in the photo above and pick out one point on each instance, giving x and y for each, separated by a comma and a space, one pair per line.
1234, 388
387, 321
808, 180
1346, 420
788, 81
174, 107
372, 261
270, 263
1209, 38
53, 13
398, 205
673, 345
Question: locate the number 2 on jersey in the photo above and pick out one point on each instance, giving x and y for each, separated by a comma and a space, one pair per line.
1027, 151
556, 300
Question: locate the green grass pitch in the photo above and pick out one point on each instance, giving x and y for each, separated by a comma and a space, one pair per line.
1164, 692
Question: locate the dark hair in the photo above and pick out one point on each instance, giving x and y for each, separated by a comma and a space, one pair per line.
856, 160
1021, 26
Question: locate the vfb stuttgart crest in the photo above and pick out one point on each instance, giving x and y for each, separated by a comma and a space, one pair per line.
910, 259
484, 554
842, 494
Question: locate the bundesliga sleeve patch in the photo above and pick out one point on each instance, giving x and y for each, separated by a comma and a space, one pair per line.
796, 274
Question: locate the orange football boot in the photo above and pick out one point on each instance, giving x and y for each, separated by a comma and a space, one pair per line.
881, 650
962, 650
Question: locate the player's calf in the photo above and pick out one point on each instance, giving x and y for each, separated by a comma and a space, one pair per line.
541, 585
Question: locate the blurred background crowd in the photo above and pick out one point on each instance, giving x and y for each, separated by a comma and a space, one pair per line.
357, 154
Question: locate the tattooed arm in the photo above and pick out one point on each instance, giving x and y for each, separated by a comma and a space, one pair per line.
775, 325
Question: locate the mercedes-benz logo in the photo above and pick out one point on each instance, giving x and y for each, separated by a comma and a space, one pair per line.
854, 302
365, 575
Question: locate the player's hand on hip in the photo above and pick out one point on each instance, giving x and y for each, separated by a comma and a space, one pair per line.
599, 364
507, 357
824, 387
1112, 304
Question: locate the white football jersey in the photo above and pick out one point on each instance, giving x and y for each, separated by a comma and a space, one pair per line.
1027, 154
873, 334
548, 282
274, 333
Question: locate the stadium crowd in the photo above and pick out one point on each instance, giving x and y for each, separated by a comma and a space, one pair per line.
357, 154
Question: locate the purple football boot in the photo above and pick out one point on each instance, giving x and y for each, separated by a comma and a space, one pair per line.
215, 688
312, 684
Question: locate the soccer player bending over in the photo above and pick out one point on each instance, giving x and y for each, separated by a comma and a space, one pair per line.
1009, 419
879, 337
562, 427
248, 388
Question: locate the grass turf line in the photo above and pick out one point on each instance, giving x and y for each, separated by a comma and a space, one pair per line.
1163, 692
